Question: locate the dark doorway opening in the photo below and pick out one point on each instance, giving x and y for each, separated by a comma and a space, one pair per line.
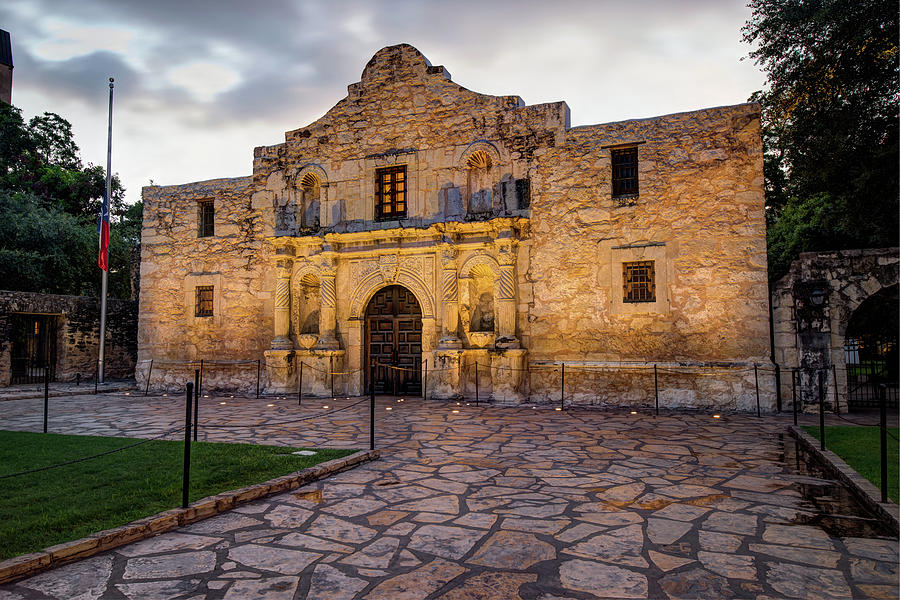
32, 348
870, 351
394, 339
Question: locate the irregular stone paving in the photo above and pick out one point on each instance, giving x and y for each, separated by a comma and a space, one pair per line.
488, 502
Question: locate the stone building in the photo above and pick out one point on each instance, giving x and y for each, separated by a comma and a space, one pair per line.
420, 223
62, 333
835, 316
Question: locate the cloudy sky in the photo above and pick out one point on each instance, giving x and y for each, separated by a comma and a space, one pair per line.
199, 84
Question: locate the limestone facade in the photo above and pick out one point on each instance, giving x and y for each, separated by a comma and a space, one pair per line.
502, 222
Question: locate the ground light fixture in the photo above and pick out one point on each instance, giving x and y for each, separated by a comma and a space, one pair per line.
717, 416
388, 408
270, 405
634, 412
454, 411
558, 408
223, 403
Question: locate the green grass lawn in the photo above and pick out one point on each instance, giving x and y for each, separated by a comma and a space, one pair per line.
71, 502
860, 447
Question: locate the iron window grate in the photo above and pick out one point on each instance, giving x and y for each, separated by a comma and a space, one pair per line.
639, 281
625, 173
207, 227
203, 306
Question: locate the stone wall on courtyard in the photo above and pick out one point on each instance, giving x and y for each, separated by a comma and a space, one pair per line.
77, 333
511, 241
812, 306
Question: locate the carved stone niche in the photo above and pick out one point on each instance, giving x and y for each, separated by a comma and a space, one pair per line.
306, 299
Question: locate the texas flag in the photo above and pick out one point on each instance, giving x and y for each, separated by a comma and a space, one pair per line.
103, 231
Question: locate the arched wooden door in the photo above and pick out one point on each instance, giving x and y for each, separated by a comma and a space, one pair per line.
394, 337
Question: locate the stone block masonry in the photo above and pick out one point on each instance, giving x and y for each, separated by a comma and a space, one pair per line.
506, 230
76, 333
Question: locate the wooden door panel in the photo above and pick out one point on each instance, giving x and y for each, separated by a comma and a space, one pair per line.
394, 337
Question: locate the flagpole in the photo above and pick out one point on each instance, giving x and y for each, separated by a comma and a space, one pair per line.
100, 362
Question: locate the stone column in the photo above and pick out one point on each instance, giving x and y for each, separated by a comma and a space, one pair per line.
282, 340
328, 307
505, 286
450, 300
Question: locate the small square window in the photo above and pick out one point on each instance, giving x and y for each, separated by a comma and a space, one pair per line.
639, 281
203, 306
390, 193
625, 173
206, 219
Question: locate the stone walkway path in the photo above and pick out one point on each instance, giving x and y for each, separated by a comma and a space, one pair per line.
486, 502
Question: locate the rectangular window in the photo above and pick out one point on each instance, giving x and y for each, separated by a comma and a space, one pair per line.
625, 173
523, 193
206, 219
390, 193
639, 281
203, 306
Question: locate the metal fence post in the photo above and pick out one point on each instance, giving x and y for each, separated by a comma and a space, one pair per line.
821, 375
46, 394
656, 387
300, 385
794, 393
96, 380
372, 406
425, 382
331, 372
196, 401
837, 408
778, 387
186, 473
476, 383
756, 379
149, 373
200, 381
882, 408
257, 377
562, 388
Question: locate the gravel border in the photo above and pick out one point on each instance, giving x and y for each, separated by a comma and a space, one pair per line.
864, 490
31, 564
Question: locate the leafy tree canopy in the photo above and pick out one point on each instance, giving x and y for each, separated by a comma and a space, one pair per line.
49, 206
830, 123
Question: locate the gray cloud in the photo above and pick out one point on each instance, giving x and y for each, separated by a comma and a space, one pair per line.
293, 59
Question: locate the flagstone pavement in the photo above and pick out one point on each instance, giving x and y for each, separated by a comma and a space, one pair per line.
487, 502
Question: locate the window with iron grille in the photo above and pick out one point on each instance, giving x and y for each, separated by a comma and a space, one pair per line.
639, 281
203, 306
390, 193
625, 173
206, 219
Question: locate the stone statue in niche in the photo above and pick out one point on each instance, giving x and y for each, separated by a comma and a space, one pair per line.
310, 191
479, 184
483, 313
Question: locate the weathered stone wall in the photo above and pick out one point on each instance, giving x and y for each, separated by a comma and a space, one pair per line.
174, 261
812, 305
509, 210
78, 333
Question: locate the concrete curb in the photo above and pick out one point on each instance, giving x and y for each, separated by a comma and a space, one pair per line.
31, 564
859, 486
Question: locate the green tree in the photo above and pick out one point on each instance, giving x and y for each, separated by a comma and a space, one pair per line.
830, 123
49, 206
